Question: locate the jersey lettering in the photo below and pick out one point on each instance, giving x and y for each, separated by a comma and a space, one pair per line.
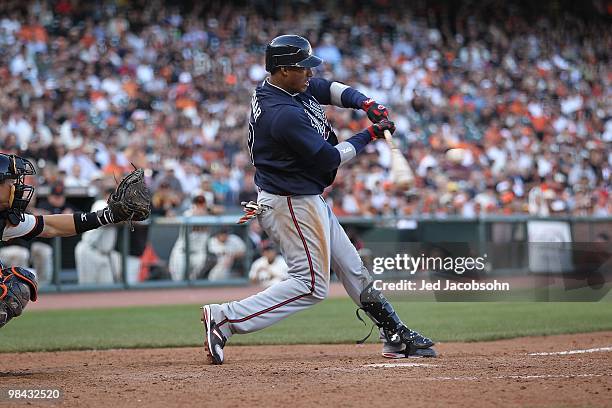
317, 117
251, 141
255, 108
320, 127
255, 113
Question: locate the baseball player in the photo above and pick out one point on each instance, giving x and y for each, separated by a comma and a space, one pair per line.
95, 258
131, 201
296, 155
270, 268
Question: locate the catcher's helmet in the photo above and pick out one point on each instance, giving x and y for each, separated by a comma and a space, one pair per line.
16, 168
290, 51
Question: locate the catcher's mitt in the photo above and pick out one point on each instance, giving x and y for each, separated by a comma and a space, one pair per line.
131, 201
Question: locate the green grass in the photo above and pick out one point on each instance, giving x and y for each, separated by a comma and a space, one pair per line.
332, 321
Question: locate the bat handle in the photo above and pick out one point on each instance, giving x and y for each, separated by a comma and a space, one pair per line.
389, 139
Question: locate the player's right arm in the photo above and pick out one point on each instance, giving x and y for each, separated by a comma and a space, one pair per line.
344, 96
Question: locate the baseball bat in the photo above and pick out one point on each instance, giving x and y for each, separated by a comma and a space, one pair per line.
401, 174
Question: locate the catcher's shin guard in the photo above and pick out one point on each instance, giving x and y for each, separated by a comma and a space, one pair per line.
17, 287
374, 303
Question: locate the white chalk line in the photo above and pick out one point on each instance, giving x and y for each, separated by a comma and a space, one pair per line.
378, 365
513, 377
565, 353
497, 377
464, 378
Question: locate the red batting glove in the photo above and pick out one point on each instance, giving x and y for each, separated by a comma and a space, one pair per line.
377, 130
376, 112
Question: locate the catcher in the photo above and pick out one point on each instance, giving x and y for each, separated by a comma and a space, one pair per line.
131, 201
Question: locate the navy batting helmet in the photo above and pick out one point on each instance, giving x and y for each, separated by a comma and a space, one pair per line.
290, 51
16, 168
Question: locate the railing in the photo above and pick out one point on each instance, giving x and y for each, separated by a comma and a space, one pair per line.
506, 237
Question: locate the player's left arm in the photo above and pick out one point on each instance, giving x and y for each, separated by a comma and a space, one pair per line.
341, 95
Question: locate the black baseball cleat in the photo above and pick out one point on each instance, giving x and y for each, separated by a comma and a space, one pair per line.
406, 343
403, 351
404, 335
418, 340
214, 340
427, 352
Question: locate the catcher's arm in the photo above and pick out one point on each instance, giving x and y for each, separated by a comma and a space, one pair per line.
47, 226
131, 201
58, 225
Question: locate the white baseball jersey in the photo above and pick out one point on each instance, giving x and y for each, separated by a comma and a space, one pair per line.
267, 273
27, 229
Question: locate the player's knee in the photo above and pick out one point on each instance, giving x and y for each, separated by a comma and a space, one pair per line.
317, 287
319, 295
321, 290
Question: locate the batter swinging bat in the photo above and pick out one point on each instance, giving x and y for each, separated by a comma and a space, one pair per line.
401, 174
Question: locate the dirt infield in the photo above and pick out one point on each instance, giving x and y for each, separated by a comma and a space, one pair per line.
500, 373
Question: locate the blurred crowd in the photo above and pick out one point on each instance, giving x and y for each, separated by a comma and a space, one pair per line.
87, 88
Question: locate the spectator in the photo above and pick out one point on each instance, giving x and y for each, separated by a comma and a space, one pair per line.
198, 241
96, 260
524, 89
56, 201
79, 160
229, 250
165, 201
270, 268
117, 165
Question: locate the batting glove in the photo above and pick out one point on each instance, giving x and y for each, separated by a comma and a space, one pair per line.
376, 112
377, 130
251, 210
